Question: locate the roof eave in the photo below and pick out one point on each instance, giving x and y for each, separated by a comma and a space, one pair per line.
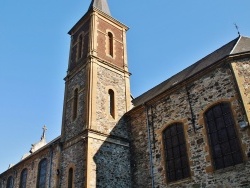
33, 154
188, 79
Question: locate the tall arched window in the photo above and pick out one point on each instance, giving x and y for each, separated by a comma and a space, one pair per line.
177, 165
70, 178
10, 182
23, 178
110, 44
79, 48
222, 136
42, 170
112, 103
75, 104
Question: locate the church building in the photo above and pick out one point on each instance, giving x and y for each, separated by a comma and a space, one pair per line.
192, 130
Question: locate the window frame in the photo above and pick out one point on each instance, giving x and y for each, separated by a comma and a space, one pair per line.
110, 46
80, 46
10, 182
111, 103
70, 177
39, 173
22, 178
184, 158
75, 104
209, 131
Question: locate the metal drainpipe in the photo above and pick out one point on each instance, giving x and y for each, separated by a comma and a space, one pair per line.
150, 148
51, 159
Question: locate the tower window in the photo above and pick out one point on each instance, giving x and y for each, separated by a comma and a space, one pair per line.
223, 140
70, 178
111, 103
23, 178
79, 49
41, 178
110, 44
10, 182
75, 104
177, 166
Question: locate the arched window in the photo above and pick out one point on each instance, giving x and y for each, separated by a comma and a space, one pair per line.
42, 170
222, 136
176, 157
23, 178
70, 178
75, 104
10, 182
110, 44
112, 103
79, 49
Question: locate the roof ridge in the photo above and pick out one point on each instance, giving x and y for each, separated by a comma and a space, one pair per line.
240, 36
242, 45
186, 73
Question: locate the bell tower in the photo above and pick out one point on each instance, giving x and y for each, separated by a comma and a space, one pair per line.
95, 149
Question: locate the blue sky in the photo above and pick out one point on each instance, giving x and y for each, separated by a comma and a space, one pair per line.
164, 38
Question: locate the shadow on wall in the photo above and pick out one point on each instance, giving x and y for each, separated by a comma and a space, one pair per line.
112, 158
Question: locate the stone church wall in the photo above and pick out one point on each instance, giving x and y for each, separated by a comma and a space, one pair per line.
109, 164
139, 150
74, 156
52, 154
75, 127
105, 123
242, 75
214, 87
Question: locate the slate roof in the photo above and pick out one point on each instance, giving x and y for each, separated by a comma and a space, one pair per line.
102, 5
239, 45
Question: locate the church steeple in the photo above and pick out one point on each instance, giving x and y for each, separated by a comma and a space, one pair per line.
97, 95
102, 5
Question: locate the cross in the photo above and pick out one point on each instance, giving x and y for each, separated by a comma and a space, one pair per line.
237, 28
44, 130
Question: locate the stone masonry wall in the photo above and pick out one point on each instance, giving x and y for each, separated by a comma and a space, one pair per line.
139, 151
105, 123
243, 67
110, 164
74, 127
214, 87
242, 74
31, 164
74, 156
